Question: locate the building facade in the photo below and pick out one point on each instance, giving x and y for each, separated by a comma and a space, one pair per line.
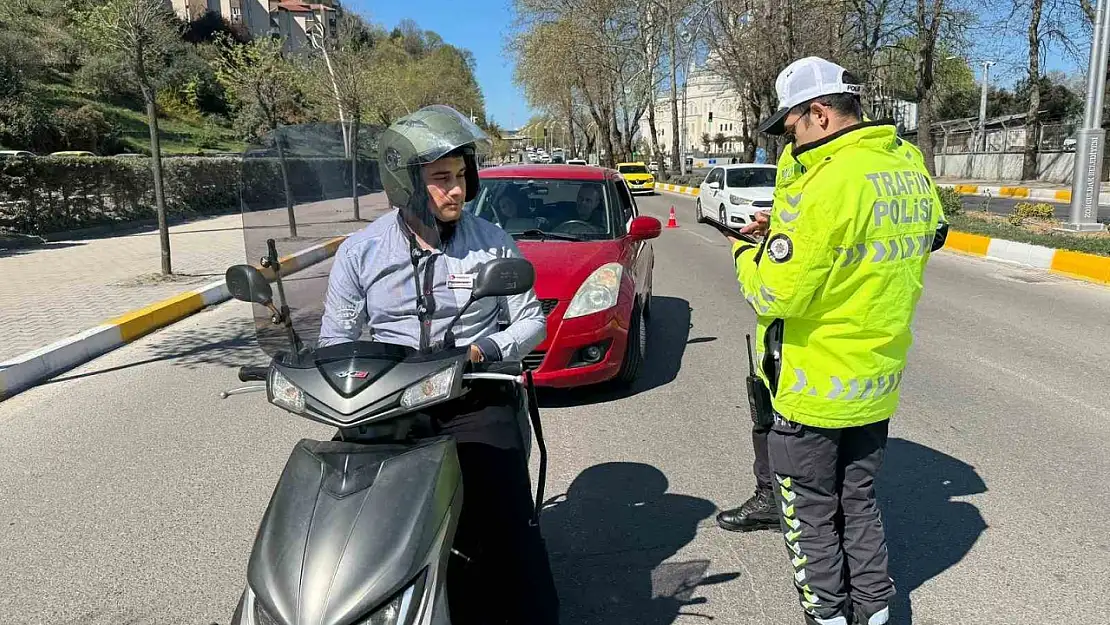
292, 20
704, 93
707, 92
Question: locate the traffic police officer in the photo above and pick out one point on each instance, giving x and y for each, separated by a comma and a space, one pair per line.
835, 284
760, 511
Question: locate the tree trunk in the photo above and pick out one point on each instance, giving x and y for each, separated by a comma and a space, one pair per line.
676, 165
159, 190
1032, 142
355, 121
656, 155
279, 138
924, 132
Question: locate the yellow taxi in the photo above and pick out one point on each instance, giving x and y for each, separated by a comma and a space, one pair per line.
638, 177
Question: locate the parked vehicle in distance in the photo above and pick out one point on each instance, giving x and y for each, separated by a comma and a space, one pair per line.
731, 195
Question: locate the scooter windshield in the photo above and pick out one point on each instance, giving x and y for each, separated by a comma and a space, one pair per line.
304, 188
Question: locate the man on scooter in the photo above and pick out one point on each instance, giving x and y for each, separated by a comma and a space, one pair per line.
401, 280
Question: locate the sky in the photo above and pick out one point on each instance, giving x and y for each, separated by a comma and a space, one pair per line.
477, 25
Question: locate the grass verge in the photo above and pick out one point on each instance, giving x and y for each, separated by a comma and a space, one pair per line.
1035, 233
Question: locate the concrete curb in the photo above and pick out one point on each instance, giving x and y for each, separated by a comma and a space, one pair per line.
1062, 196
1087, 267
29, 368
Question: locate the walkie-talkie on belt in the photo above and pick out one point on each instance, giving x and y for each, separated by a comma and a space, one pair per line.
759, 398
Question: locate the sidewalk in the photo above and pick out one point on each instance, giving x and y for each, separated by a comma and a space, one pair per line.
50, 292
1028, 189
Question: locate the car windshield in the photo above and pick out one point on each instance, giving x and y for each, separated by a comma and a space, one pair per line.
752, 177
632, 169
526, 208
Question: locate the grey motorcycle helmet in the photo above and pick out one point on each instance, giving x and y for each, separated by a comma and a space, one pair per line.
418, 139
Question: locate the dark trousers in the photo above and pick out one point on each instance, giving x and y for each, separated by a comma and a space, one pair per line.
762, 465
503, 576
830, 518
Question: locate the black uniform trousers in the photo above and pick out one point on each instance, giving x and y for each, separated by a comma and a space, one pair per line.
825, 487
762, 465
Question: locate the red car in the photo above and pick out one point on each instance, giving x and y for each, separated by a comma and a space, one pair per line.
580, 228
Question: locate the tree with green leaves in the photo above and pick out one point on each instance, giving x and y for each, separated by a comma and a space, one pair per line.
719, 140
263, 84
142, 32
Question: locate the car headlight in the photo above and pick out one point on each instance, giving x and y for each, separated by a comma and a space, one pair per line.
739, 201
430, 389
284, 393
651, 180
599, 292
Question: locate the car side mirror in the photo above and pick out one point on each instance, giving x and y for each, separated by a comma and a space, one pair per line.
715, 185
643, 228
247, 284
503, 276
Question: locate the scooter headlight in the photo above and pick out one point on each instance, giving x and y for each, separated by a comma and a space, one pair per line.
432, 388
400, 610
284, 393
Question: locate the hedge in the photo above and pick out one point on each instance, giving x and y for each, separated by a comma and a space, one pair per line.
44, 195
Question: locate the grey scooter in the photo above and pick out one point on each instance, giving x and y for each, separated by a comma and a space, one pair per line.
359, 531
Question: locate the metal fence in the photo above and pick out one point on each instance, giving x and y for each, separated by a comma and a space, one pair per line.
963, 137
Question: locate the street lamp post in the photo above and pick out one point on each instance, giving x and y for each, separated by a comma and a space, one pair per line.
1090, 139
983, 106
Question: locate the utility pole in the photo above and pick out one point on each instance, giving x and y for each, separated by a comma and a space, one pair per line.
1089, 149
983, 107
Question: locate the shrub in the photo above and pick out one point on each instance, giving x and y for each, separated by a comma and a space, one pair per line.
84, 129
1035, 210
45, 195
26, 125
109, 80
950, 201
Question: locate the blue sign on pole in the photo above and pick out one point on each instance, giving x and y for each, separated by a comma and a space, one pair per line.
760, 156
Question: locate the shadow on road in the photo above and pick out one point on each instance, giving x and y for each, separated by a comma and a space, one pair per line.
927, 532
609, 538
668, 335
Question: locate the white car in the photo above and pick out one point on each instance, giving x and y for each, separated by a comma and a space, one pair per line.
731, 195
576, 161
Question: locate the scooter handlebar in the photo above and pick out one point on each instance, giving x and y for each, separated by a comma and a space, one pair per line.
253, 374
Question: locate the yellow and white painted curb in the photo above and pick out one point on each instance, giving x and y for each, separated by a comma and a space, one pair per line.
675, 188
29, 368
1089, 267
1062, 196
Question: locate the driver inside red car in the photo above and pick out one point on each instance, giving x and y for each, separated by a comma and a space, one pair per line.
589, 210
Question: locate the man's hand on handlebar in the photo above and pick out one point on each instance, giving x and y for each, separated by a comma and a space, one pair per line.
475, 354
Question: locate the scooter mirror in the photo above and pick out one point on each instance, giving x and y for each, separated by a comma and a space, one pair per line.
247, 284
503, 276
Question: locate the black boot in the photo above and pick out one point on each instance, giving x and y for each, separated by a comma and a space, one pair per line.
760, 512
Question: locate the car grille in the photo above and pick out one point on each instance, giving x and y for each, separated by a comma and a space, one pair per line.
762, 203
533, 360
548, 305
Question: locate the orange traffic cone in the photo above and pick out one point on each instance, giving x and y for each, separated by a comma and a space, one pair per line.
673, 221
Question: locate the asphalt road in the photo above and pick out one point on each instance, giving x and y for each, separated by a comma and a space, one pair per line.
130, 492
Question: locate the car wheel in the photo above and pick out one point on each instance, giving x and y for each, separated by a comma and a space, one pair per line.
701, 217
722, 216
635, 351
